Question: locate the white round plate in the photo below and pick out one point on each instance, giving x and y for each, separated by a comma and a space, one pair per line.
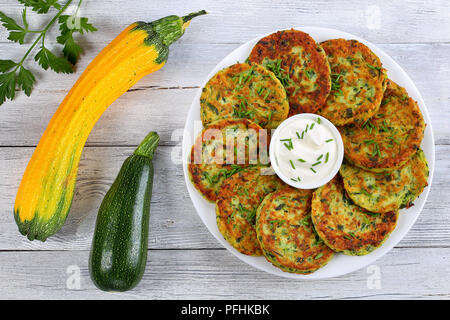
340, 264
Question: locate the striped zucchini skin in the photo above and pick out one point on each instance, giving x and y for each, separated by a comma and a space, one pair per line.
46, 191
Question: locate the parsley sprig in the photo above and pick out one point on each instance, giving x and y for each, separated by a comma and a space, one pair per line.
14, 75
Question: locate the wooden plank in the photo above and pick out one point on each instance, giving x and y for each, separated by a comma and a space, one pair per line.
174, 222
161, 101
216, 274
237, 21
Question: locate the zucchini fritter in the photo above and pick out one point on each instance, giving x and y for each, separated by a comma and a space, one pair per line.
357, 82
236, 205
286, 233
300, 64
221, 149
244, 91
389, 191
390, 137
345, 227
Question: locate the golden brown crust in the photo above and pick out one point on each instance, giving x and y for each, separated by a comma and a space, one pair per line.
204, 172
345, 227
286, 233
358, 82
236, 205
304, 64
386, 191
396, 130
244, 91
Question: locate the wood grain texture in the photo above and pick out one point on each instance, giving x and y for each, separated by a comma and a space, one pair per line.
382, 21
217, 274
185, 261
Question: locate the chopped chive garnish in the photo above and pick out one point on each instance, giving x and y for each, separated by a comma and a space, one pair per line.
306, 130
312, 126
319, 157
261, 90
318, 256
319, 120
317, 163
329, 140
266, 95
312, 169
298, 135
326, 157
292, 164
289, 145
301, 160
303, 133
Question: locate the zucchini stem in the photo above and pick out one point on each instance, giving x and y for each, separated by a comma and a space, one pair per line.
192, 15
148, 145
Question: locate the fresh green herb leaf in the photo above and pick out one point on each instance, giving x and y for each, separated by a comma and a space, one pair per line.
16, 32
7, 86
301, 160
25, 80
326, 157
312, 169
316, 164
6, 65
329, 140
47, 59
41, 6
14, 75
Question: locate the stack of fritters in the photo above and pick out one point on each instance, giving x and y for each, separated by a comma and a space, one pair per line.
381, 127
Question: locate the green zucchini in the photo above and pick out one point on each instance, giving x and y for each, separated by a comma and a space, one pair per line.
119, 248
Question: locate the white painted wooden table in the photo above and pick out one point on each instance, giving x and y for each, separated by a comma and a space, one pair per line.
185, 261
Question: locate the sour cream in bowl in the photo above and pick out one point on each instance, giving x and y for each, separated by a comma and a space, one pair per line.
306, 151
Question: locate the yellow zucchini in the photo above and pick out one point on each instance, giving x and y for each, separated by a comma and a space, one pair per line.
46, 190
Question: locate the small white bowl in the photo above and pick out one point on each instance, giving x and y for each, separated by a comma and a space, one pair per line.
304, 184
